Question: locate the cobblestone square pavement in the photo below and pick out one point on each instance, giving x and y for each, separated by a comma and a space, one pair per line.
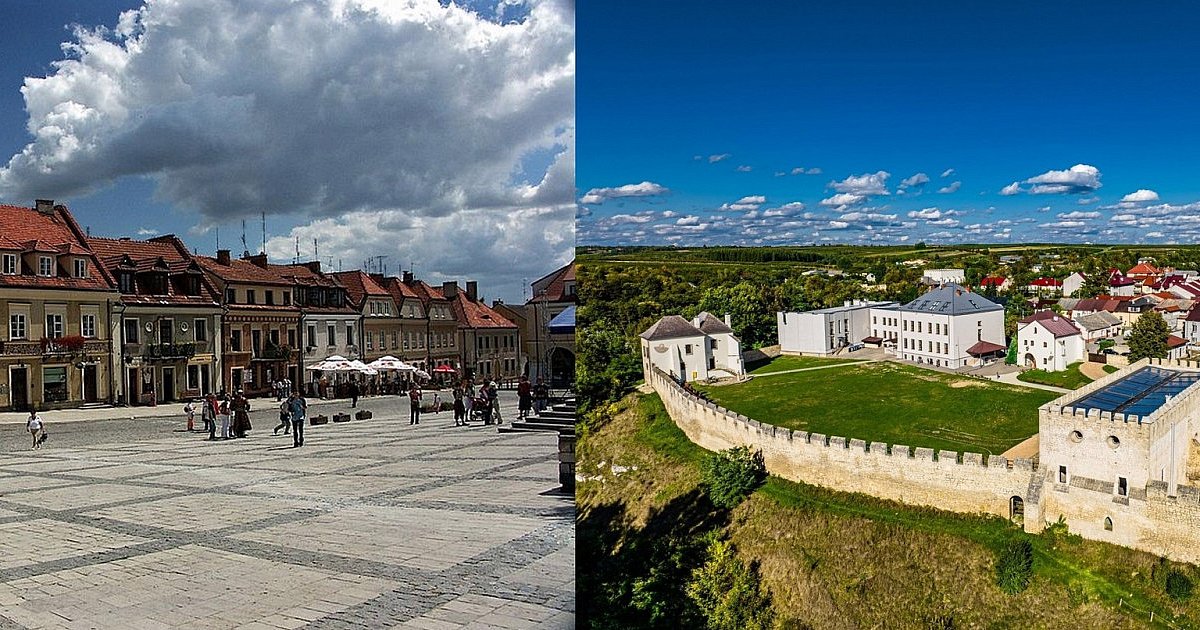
371, 524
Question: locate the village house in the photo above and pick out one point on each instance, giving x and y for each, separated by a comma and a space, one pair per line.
1073, 283
1044, 286
1049, 342
551, 349
413, 324
1191, 325
488, 340
56, 300
944, 276
827, 331
950, 327
167, 323
999, 283
1098, 325
683, 350
329, 323
1176, 347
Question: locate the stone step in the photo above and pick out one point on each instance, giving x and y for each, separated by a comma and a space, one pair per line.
519, 427
563, 420
556, 414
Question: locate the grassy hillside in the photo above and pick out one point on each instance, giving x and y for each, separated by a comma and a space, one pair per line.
890, 402
835, 560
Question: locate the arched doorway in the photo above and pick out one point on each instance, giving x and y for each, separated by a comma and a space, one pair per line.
1016, 509
562, 368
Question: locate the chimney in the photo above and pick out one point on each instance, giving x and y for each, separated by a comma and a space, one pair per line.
450, 290
223, 257
313, 266
44, 206
472, 290
727, 322
258, 260
407, 277
378, 278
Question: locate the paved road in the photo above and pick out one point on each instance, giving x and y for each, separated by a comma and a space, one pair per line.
136, 524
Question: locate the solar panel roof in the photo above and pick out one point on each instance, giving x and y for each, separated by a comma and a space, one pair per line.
1140, 393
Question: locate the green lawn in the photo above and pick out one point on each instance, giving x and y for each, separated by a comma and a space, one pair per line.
1070, 378
893, 403
779, 364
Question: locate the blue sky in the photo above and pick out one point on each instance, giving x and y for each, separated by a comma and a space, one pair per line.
791, 123
417, 131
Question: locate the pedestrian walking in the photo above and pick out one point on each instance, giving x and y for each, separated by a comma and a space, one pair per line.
299, 409
541, 395
468, 397
354, 394
37, 429
224, 411
460, 410
524, 398
241, 415
189, 410
209, 414
414, 405
285, 417
437, 402
493, 398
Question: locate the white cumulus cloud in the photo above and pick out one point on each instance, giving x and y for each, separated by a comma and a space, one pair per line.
1011, 189
644, 189
843, 199
948, 172
917, 180
953, 187
1079, 179
867, 184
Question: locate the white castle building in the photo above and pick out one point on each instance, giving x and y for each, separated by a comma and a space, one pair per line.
694, 351
947, 327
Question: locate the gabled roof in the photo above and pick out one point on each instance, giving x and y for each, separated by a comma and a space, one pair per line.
54, 232
993, 281
1194, 314
163, 253
359, 285
951, 299
1143, 269
1174, 341
476, 314
984, 347
245, 272
1046, 282
1057, 325
1097, 321
555, 285
671, 327
711, 325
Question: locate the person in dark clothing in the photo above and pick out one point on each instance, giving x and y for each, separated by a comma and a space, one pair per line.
299, 409
353, 394
524, 398
460, 409
541, 395
414, 405
493, 397
241, 415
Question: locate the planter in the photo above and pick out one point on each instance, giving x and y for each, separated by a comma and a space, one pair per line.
315, 420
363, 415
341, 417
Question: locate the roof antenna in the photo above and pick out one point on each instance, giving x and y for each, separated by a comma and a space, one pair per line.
316, 256
296, 260
218, 230
264, 230
245, 248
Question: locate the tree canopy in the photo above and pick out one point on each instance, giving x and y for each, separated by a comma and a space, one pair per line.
1148, 337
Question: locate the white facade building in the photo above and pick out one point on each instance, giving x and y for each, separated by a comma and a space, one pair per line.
1098, 325
697, 350
945, 276
825, 331
950, 327
1049, 342
1072, 283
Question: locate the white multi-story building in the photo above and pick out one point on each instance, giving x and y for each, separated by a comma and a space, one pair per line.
827, 330
945, 276
696, 350
950, 327
1073, 283
1050, 342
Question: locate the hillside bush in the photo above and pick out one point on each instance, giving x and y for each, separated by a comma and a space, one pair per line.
731, 475
729, 592
1179, 586
1014, 568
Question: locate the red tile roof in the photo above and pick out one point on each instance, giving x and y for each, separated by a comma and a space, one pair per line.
1174, 341
359, 285
984, 347
1194, 314
26, 229
245, 272
1057, 325
163, 252
992, 281
1046, 282
1143, 269
476, 314
556, 287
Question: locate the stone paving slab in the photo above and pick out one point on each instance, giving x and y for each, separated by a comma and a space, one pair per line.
371, 525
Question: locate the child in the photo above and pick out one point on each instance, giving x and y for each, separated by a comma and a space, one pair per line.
190, 410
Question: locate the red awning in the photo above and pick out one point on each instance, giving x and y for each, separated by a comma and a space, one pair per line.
985, 347
872, 340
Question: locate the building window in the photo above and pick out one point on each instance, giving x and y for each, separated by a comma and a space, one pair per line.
311, 331
45, 266
80, 268
200, 330
393, 340
687, 348
87, 325
331, 333
54, 325
250, 297
132, 330
17, 326
193, 376
349, 334
269, 296
1122, 487
287, 298
230, 296
1107, 524
54, 384
1062, 474
235, 341
370, 336
10, 264
291, 337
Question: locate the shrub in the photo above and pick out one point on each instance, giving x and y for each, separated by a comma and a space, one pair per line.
1179, 586
1014, 568
729, 592
730, 475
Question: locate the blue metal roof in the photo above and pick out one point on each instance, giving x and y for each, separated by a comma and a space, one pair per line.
564, 322
1140, 393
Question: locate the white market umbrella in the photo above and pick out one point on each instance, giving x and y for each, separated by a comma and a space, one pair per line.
391, 363
422, 374
332, 363
359, 366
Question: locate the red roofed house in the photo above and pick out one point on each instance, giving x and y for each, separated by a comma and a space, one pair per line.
259, 330
997, 282
1122, 286
1048, 341
57, 348
1044, 285
551, 352
379, 319
489, 342
1144, 273
1191, 324
170, 319
1176, 347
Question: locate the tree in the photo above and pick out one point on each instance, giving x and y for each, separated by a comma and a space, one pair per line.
1148, 337
1093, 285
729, 592
1017, 308
1011, 357
751, 313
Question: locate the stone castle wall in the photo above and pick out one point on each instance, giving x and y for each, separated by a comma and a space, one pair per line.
948, 480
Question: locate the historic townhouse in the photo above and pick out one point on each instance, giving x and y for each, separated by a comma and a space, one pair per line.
259, 329
166, 323
55, 299
414, 325
330, 324
550, 345
488, 341
379, 320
